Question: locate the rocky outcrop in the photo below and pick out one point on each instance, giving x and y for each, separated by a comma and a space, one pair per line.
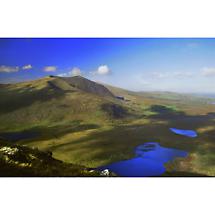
18, 160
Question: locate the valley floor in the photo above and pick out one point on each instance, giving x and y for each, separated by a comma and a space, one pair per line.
94, 145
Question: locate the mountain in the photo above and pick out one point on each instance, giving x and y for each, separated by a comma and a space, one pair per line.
46, 108
56, 99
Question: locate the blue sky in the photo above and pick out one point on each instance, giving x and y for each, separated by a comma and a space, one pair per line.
179, 65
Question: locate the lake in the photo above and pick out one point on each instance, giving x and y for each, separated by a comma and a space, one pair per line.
149, 160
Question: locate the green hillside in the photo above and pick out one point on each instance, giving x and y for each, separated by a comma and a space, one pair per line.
53, 100
84, 123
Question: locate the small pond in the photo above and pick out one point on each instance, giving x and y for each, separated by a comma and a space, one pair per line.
187, 133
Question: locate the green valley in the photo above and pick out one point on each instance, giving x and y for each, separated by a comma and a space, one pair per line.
88, 124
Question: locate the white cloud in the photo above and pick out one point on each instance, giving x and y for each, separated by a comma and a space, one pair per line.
9, 69
27, 67
208, 72
74, 72
102, 70
49, 68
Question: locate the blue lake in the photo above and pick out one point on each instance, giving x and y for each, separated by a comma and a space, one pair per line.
187, 133
149, 161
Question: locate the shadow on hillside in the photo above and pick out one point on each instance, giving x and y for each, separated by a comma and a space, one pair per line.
12, 100
162, 111
46, 133
180, 119
126, 138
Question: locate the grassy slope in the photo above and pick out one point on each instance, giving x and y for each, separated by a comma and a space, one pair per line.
72, 124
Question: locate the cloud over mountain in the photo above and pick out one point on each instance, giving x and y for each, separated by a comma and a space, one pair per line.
103, 70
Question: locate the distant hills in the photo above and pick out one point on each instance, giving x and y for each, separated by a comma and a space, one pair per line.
207, 95
194, 97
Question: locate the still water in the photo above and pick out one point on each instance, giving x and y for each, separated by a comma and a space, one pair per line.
187, 133
149, 161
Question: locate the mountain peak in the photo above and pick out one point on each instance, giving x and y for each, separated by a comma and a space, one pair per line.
81, 83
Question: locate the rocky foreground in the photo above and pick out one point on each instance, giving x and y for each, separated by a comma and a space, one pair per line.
19, 161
